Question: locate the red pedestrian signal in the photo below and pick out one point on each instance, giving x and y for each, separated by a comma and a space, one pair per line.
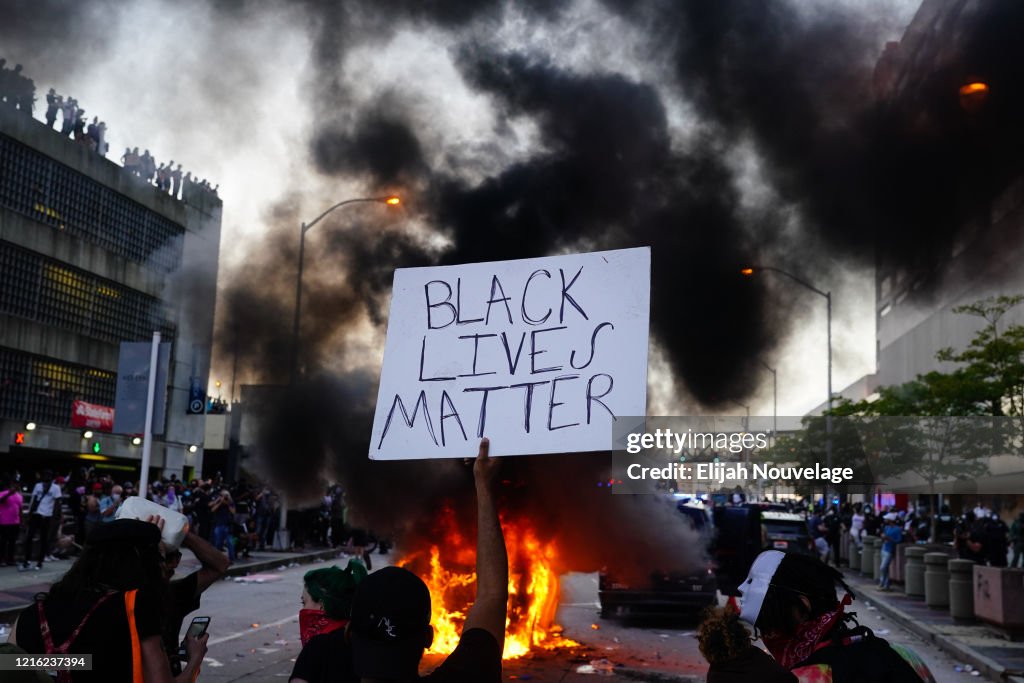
19, 438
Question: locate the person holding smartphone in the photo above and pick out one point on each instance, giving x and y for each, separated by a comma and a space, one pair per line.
183, 595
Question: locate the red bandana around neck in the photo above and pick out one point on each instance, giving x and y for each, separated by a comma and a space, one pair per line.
790, 651
315, 622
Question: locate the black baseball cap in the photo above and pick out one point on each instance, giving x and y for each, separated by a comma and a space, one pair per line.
390, 625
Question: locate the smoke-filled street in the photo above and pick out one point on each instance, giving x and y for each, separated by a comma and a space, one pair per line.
575, 316
254, 636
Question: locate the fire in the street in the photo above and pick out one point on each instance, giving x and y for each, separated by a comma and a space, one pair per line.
448, 570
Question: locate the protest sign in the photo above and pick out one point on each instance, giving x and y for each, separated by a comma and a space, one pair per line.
540, 355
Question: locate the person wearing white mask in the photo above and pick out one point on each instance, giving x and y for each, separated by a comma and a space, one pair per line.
791, 601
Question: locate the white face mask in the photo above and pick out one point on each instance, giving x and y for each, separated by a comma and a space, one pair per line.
116, 496
755, 586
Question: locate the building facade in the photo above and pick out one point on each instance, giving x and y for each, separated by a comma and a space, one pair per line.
92, 256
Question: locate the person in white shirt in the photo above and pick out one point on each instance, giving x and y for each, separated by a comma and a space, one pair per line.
42, 506
857, 526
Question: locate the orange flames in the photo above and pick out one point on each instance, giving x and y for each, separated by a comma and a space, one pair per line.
448, 569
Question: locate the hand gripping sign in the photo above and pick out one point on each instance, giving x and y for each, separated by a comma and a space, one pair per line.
541, 355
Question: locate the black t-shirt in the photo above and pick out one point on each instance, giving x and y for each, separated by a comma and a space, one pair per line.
326, 658
201, 506
105, 636
181, 599
476, 660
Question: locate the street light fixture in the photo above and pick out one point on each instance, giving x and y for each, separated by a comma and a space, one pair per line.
775, 399
391, 200
282, 541
750, 271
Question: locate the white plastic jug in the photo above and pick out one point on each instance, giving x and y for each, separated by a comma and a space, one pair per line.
175, 523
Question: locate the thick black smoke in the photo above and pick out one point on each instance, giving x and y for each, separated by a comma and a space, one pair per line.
855, 173
888, 177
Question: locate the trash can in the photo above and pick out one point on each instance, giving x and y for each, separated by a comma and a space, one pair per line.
854, 555
936, 580
867, 556
914, 572
961, 589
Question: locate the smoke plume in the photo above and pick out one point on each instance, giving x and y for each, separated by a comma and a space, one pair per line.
590, 148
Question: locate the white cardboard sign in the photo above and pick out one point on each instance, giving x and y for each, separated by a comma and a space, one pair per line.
538, 354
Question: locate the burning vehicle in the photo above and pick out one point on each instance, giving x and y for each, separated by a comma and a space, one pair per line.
667, 591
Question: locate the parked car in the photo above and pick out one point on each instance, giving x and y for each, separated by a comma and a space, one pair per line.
663, 592
786, 531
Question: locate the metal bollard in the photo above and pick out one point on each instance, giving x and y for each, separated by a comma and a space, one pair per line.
914, 572
867, 556
961, 589
936, 579
854, 555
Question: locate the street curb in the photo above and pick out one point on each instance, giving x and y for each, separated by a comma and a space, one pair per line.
7, 616
264, 565
988, 667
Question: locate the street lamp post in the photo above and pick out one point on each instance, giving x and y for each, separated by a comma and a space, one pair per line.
775, 400
828, 305
282, 541
304, 228
775, 418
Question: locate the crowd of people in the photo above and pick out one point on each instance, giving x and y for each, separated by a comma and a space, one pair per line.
16, 89
50, 517
118, 601
18, 92
165, 177
978, 534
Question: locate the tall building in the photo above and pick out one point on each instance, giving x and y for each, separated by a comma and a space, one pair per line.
914, 306
954, 79
92, 256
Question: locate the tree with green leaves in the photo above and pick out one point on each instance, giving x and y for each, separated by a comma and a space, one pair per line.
932, 426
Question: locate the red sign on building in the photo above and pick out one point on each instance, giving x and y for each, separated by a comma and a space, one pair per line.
92, 416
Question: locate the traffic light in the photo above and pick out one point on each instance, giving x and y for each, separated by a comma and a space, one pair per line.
19, 438
96, 447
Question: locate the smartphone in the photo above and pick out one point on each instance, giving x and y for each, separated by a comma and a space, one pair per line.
195, 629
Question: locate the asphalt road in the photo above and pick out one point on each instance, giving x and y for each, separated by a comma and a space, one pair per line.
254, 636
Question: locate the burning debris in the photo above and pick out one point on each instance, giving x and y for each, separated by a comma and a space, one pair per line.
447, 567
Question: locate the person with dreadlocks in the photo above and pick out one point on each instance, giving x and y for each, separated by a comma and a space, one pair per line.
725, 642
791, 601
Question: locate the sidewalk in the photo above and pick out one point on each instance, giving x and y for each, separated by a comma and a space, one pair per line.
17, 589
975, 643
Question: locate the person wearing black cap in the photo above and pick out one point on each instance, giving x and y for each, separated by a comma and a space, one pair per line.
108, 605
791, 600
390, 624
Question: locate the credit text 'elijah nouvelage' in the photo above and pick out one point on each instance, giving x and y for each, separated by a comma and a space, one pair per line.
722, 472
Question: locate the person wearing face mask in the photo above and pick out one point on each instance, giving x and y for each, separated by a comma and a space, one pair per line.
791, 601
326, 604
110, 503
